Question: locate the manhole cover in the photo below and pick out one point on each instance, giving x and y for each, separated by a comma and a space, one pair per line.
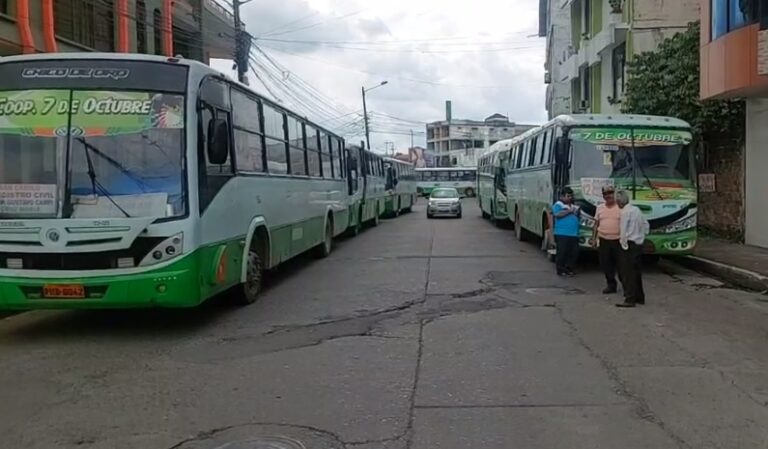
264, 443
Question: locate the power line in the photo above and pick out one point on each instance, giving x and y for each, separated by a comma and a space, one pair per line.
288, 24
401, 78
426, 51
431, 42
316, 24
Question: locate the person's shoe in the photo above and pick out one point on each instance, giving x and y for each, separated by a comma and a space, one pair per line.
570, 273
609, 290
626, 305
562, 273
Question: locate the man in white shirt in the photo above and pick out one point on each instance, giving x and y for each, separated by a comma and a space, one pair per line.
633, 229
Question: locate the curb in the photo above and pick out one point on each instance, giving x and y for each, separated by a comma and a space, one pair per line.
737, 276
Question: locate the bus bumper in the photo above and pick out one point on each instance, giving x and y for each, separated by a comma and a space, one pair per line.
175, 285
677, 244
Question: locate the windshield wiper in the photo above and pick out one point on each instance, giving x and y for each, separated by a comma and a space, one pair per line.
642, 171
95, 184
647, 178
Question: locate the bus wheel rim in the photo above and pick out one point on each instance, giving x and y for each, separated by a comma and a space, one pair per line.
253, 275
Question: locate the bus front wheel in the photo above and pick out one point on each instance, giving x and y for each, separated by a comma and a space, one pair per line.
324, 249
254, 277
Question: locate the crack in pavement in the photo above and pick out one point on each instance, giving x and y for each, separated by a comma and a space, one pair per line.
641, 408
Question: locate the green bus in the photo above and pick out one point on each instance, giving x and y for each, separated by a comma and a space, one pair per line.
463, 179
649, 156
144, 181
491, 182
367, 192
400, 186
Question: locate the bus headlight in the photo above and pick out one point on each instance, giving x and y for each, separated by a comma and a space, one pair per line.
681, 225
166, 250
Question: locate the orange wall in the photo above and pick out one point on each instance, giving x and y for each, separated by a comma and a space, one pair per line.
729, 64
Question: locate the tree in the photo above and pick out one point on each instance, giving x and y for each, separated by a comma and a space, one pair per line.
666, 82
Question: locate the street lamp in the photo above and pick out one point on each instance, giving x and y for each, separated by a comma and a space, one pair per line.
365, 112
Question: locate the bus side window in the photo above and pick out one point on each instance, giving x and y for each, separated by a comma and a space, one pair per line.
213, 105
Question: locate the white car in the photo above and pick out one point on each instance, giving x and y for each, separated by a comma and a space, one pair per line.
444, 201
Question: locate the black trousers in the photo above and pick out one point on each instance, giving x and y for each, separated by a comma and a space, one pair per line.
567, 252
632, 274
609, 253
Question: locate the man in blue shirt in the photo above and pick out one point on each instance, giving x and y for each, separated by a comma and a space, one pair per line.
566, 232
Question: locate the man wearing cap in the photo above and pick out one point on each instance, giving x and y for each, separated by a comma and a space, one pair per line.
605, 237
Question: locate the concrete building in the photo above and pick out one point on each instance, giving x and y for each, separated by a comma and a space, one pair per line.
607, 33
195, 29
734, 64
458, 143
555, 25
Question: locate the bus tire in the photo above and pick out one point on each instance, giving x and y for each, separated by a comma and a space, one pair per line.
520, 233
470, 192
354, 230
485, 214
248, 292
325, 248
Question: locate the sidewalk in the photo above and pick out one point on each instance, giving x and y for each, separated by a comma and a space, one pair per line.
742, 265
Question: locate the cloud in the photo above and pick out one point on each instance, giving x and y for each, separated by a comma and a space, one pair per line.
477, 54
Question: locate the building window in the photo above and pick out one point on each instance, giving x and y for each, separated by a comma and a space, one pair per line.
618, 62
141, 26
87, 23
586, 18
3, 6
585, 81
157, 31
730, 15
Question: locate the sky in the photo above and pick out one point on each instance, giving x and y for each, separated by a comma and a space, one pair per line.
483, 55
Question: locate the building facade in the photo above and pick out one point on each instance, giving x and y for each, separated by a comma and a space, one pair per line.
458, 143
555, 25
734, 64
604, 34
195, 29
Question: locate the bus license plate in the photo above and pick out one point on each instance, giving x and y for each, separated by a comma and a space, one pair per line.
63, 291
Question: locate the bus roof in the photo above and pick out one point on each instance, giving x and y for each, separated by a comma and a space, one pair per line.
103, 56
578, 120
398, 161
446, 169
618, 120
140, 57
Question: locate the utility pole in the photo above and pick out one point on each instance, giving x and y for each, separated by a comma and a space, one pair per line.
242, 43
411, 138
365, 113
365, 119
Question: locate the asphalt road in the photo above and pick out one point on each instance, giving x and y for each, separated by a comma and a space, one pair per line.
439, 334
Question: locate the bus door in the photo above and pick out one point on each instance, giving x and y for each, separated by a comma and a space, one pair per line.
354, 175
562, 166
500, 180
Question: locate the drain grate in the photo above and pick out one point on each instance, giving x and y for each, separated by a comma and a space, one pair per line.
265, 443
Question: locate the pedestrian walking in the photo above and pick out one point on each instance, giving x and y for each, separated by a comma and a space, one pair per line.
632, 231
605, 237
566, 215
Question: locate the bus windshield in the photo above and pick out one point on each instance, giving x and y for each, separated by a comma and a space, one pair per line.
657, 155
91, 154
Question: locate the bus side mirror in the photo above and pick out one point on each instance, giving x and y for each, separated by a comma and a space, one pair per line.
218, 141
